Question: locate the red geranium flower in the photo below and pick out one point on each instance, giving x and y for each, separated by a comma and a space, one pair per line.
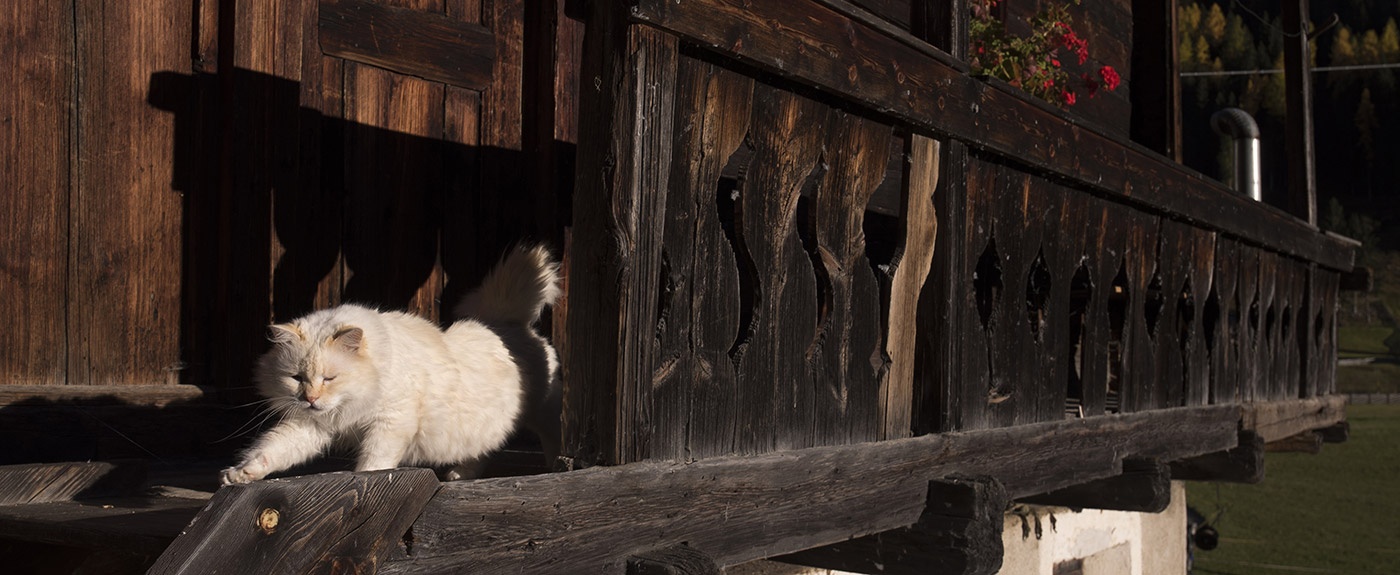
1110, 77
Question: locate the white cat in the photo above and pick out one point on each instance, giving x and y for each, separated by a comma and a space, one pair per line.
405, 392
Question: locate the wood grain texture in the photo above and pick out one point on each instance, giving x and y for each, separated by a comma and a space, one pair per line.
333, 522
735, 509
133, 395
695, 386
623, 183
1223, 336
1243, 463
903, 284
428, 45
1306, 442
847, 353
50, 482
676, 560
959, 531
1277, 420
39, 64
779, 325
1144, 487
125, 243
142, 526
878, 69
393, 190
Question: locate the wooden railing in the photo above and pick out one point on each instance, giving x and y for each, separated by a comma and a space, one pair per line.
758, 182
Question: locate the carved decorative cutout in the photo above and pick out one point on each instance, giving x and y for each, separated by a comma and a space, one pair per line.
1081, 293
1270, 318
1153, 303
1118, 298
1037, 294
1210, 320
1185, 322
987, 284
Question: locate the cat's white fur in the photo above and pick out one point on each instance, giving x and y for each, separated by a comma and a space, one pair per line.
405, 392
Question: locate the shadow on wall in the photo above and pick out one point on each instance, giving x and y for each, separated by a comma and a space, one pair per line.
288, 210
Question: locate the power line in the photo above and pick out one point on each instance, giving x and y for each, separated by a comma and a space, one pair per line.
1280, 71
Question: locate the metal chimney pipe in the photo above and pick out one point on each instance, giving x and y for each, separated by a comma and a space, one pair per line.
1240, 127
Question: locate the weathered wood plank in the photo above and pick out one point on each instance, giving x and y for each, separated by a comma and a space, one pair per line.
1223, 335
124, 231
39, 67
137, 525
695, 387
777, 409
943, 305
846, 354
136, 395
342, 522
623, 180
735, 509
904, 283
413, 42
959, 531
1277, 420
49, 482
1243, 463
675, 560
819, 46
1145, 486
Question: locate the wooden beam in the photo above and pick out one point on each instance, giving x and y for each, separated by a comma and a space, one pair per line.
1276, 420
139, 395
48, 482
1297, 72
1307, 442
332, 522
677, 560
1243, 463
413, 42
1338, 432
817, 45
138, 525
736, 509
959, 533
1144, 486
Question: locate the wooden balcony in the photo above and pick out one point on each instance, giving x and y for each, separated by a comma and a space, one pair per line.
830, 299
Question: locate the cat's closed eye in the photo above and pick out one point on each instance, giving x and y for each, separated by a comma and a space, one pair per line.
328, 378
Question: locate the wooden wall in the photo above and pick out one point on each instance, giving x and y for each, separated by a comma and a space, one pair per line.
183, 172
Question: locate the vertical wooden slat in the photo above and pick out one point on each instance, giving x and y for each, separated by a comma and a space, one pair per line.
846, 353
1139, 233
1064, 247
943, 312
1225, 349
777, 401
625, 139
1103, 257
918, 232
695, 389
125, 244
37, 64
1266, 388
1251, 318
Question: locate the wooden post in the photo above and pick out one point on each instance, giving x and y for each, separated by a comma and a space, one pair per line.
1302, 193
1144, 486
327, 523
624, 160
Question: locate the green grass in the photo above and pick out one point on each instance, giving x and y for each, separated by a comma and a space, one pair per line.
1371, 378
1337, 512
1363, 341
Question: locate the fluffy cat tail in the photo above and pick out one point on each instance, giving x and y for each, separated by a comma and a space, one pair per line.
526, 280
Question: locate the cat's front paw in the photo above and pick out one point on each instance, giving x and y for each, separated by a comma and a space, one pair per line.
238, 475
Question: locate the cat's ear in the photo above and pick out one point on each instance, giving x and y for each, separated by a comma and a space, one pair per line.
350, 339
283, 333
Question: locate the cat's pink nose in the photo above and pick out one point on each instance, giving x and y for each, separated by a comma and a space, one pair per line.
311, 399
